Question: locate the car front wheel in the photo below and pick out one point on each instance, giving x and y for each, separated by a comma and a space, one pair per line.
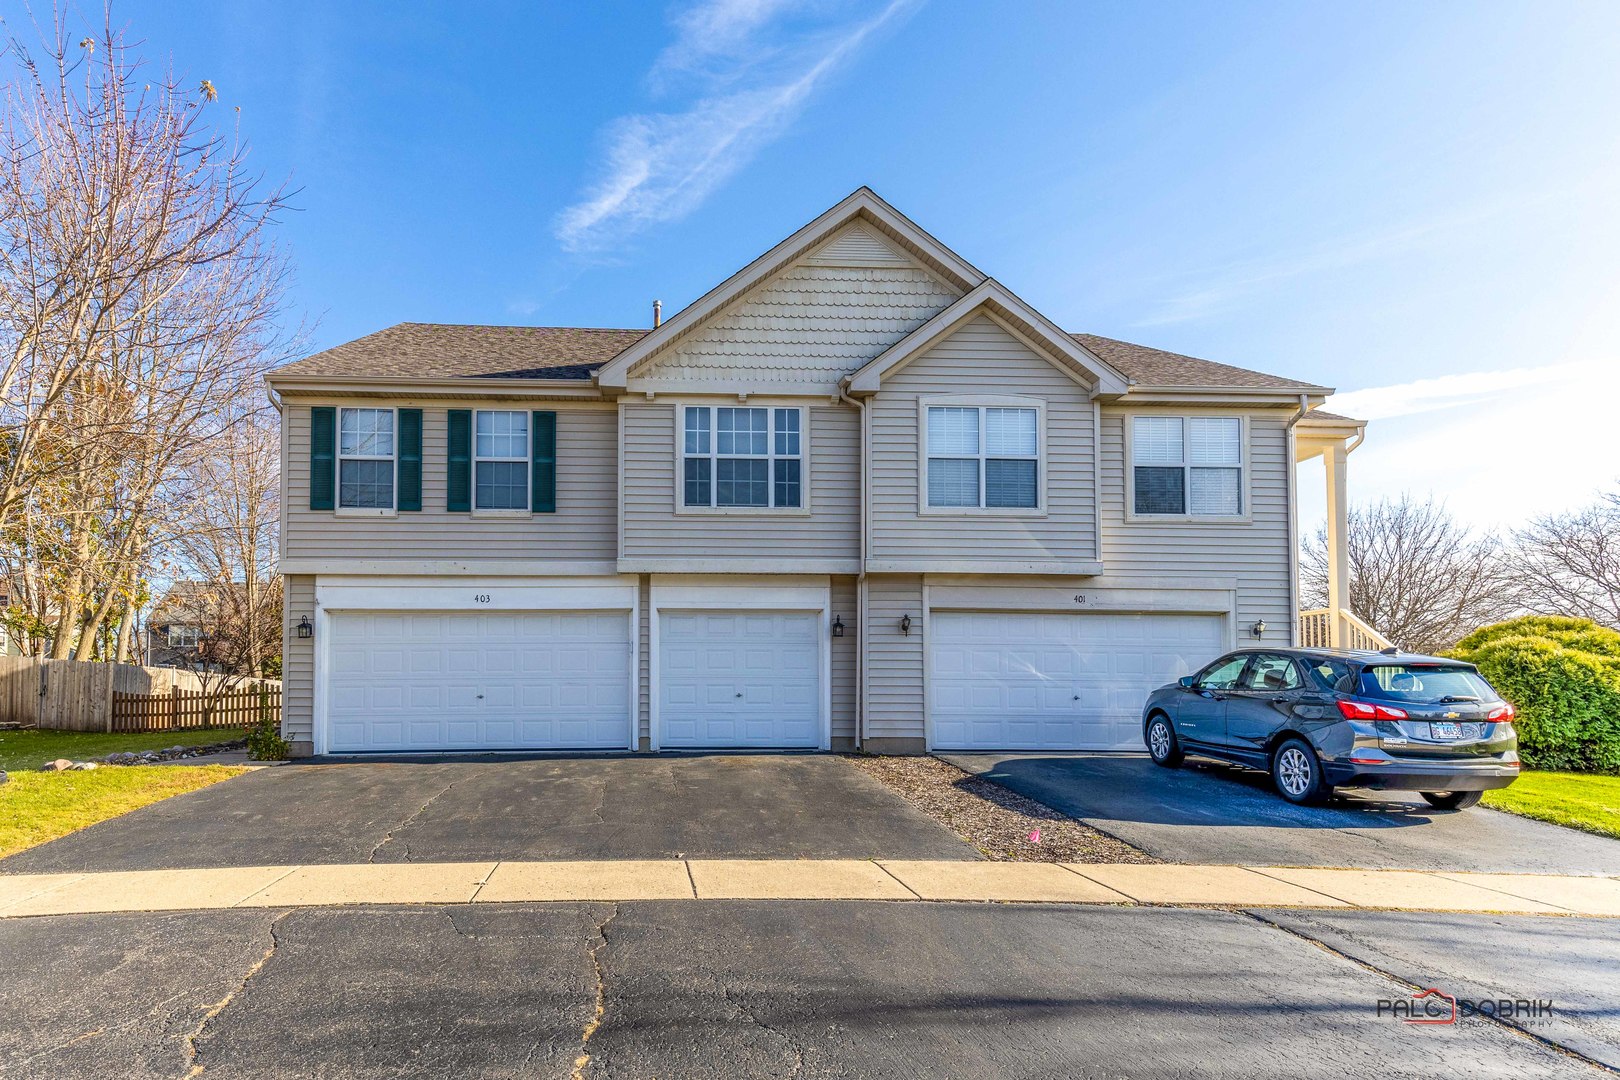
1298, 774
1162, 744
1452, 800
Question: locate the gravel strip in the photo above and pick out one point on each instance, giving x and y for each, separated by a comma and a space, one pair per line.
998, 822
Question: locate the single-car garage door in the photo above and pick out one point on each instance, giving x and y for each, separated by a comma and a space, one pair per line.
514, 680
1057, 682
739, 679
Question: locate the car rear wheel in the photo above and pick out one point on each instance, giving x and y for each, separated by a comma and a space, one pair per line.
1298, 774
1452, 800
1162, 744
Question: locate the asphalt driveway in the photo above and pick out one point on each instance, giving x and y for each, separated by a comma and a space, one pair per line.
474, 809
1206, 812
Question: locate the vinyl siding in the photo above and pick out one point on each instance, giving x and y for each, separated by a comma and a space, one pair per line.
815, 321
653, 529
584, 526
298, 662
894, 661
845, 658
982, 357
1254, 553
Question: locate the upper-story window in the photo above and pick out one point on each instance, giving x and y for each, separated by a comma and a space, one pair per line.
366, 459
742, 457
501, 460
184, 637
983, 457
1188, 465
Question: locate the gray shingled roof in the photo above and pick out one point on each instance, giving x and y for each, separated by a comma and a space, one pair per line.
450, 351
1155, 367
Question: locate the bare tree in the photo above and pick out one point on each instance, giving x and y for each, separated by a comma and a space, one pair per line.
140, 301
1569, 563
1418, 576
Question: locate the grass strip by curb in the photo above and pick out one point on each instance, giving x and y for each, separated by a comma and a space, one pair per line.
36, 807
1574, 800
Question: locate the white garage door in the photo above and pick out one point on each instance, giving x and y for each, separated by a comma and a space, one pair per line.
739, 679
519, 680
1051, 682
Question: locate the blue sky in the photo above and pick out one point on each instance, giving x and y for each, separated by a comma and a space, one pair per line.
1415, 203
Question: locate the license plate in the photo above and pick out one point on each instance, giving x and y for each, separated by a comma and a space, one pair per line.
1445, 729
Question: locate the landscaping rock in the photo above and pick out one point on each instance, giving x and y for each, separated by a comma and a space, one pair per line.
61, 764
173, 753
83, 766
5, 778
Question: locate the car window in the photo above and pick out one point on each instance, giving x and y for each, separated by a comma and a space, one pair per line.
1335, 674
1271, 672
1424, 684
1223, 674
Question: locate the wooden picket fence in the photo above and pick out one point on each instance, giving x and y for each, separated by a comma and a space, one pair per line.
183, 710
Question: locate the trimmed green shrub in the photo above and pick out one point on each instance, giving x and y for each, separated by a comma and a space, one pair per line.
1564, 680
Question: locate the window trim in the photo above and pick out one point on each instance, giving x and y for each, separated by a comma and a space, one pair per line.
527, 509
168, 636
679, 493
1244, 467
338, 458
982, 402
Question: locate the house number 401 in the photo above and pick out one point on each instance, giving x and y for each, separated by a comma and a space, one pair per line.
1079, 598
481, 598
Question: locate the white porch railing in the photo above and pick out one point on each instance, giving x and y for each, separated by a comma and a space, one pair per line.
1316, 631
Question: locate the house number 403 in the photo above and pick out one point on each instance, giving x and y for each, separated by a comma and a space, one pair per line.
481, 598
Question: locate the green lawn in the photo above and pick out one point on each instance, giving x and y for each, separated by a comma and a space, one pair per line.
36, 807
1578, 800
31, 749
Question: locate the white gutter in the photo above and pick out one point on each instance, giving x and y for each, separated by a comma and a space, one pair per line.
860, 579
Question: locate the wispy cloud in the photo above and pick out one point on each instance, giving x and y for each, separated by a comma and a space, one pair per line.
1453, 391
753, 64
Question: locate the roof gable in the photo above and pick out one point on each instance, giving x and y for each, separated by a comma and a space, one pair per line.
882, 240
996, 300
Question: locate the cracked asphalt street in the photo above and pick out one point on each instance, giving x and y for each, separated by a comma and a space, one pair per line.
809, 989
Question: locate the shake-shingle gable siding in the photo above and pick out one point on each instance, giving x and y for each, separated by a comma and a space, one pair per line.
813, 323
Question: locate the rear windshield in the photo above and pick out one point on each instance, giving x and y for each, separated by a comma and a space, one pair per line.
1424, 684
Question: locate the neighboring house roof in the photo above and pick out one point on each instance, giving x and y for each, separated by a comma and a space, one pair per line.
1323, 414
451, 351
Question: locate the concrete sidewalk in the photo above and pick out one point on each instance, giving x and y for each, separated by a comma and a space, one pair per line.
802, 879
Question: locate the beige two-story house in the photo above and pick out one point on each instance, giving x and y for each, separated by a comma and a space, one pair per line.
859, 494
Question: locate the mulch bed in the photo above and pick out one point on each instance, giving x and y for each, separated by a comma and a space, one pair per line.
1003, 825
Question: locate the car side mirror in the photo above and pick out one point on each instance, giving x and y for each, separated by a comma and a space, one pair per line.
1187, 682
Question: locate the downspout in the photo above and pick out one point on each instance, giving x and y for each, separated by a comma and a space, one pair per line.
1293, 522
860, 578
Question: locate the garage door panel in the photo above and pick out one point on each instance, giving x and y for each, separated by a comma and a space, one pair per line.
736, 679
1057, 681
465, 681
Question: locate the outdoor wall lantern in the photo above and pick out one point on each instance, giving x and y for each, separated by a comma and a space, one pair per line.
1258, 629
837, 626
905, 624
305, 630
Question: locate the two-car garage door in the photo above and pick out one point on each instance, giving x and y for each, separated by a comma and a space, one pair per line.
1038, 681
475, 681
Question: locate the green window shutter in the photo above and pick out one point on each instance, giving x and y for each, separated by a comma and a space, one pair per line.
543, 464
409, 467
458, 480
322, 457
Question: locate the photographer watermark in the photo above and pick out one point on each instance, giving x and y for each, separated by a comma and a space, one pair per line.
1435, 1006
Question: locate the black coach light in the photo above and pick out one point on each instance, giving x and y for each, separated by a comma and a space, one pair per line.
905, 624
305, 630
1258, 629
838, 626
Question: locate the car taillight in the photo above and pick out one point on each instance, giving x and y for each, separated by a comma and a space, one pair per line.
1361, 710
1502, 714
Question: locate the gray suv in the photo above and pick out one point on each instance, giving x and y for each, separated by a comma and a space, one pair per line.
1317, 719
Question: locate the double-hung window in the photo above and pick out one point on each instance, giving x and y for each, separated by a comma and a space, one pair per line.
983, 457
1187, 465
742, 457
366, 459
500, 460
